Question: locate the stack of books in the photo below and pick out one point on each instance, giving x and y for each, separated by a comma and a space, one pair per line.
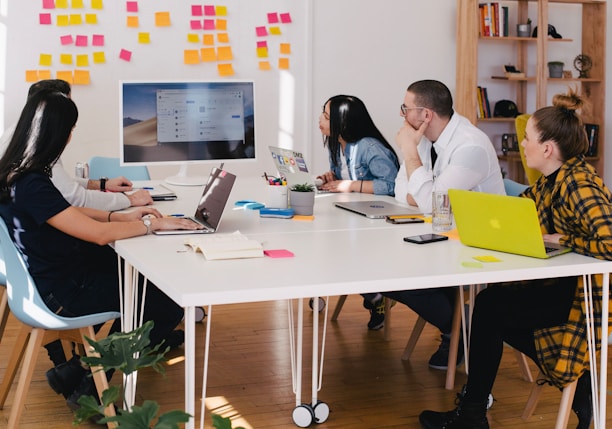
483, 108
493, 20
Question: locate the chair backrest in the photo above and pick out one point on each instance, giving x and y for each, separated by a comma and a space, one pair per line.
520, 123
24, 300
100, 166
513, 188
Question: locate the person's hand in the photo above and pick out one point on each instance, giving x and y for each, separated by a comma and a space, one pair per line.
337, 186
137, 213
327, 177
118, 184
552, 238
173, 223
408, 138
141, 197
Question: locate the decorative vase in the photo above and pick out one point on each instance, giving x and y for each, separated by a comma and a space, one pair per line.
555, 69
523, 30
302, 203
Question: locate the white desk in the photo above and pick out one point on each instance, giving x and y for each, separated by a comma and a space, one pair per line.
351, 255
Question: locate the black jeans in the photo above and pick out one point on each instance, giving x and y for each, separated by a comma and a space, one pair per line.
510, 313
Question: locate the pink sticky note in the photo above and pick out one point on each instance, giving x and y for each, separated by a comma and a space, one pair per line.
261, 31
209, 10
279, 253
81, 41
195, 24
196, 10
48, 4
131, 6
97, 40
66, 40
125, 55
44, 18
262, 44
285, 18
272, 18
209, 24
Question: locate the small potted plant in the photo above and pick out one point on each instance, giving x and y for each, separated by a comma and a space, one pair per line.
555, 68
524, 30
301, 198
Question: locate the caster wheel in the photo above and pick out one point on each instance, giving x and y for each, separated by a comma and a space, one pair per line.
321, 412
303, 416
321, 304
489, 401
200, 314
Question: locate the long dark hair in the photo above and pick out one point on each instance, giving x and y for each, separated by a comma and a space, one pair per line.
41, 134
349, 119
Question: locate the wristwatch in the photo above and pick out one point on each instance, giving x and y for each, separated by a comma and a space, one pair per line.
147, 223
103, 183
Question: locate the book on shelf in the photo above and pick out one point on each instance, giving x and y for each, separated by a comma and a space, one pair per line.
592, 132
225, 246
484, 108
493, 19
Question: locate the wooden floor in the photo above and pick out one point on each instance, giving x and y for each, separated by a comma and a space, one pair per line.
365, 383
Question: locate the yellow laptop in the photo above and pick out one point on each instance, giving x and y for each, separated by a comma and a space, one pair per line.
502, 223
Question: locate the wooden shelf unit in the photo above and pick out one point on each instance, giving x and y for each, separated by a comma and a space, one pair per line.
593, 24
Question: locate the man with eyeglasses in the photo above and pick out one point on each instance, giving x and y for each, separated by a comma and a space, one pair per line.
441, 149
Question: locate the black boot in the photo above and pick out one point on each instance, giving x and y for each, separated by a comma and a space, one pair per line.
65, 377
467, 415
583, 401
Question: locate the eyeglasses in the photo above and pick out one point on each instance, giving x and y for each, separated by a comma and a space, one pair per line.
404, 109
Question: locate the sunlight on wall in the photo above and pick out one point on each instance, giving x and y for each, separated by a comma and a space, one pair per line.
286, 111
219, 405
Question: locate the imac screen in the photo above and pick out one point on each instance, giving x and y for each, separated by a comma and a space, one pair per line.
174, 122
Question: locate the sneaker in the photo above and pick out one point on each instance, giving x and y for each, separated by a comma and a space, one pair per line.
377, 313
439, 360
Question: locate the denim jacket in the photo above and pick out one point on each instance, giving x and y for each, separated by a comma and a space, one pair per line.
368, 159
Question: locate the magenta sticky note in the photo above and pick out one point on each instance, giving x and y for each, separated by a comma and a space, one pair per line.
209, 24
44, 18
279, 253
196, 10
195, 24
125, 55
262, 44
261, 31
97, 40
273, 18
209, 10
81, 41
131, 6
66, 40
285, 18
48, 4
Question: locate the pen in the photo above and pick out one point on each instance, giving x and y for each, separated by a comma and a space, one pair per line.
177, 215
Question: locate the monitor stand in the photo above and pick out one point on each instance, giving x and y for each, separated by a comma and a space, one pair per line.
182, 179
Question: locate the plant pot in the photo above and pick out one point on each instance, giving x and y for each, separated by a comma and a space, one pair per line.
555, 69
302, 203
523, 30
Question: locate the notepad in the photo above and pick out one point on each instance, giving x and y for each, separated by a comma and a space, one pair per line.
225, 246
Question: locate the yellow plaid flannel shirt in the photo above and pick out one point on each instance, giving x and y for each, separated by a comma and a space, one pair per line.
578, 205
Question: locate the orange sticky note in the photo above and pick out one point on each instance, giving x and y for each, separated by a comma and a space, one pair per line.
222, 37
225, 69
82, 60
285, 48
44, 59
221, 24
208, 39
264, 65
99, 57
144, 38
44, 74
162, 19
191, 56
224, 53
132, 21
81, 77
65, 75
208, 54
31, 76
283, 63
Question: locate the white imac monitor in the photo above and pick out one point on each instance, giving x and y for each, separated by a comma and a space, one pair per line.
186, 122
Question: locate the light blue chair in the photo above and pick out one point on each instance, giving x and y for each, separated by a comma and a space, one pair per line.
100, 166
514, 189
40, 326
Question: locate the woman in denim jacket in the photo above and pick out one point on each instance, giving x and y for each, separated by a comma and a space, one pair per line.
360, 158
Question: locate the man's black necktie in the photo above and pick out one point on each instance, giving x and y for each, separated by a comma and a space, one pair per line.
434, 156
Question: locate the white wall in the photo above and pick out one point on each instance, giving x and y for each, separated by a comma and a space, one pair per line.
373, 50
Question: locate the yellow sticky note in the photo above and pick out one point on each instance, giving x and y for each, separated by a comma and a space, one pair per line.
63, 20
44, 59
222, 37
97, 4
264, 65
132, 21
31, 76
221, 10
99, 57
193, 38
208, 54
208, 40
262, 52
487, 258
82, 60
144, 38
191, 56
77, 4
162, 19
283, 63
76, 19
91, 18
225, 69
275, 30
221, 24
44, 74
65, 75
66, 58
225, 53
81, 77
285, 48
61, 4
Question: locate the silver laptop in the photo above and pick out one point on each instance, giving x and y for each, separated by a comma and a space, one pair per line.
212, 203
291, 165
378, 209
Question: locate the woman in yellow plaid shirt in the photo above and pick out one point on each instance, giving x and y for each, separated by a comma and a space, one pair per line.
544, 319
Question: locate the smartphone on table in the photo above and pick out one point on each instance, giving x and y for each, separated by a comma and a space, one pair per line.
425, 238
